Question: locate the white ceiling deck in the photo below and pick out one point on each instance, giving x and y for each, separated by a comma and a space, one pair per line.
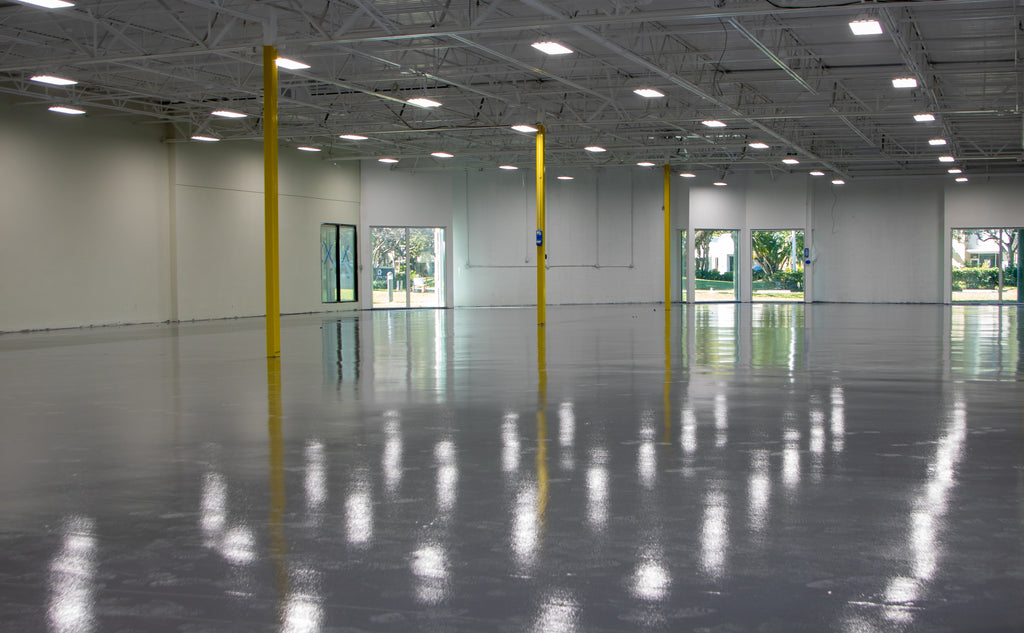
788, 73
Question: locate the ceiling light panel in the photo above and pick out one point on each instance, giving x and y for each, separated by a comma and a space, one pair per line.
866, 26
65, 110
290, 64
53, 81
48, 4
423, 102
649, 93
904, 82
552, 48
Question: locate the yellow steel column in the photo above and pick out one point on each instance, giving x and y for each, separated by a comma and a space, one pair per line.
667, 208
270, 201
541, 237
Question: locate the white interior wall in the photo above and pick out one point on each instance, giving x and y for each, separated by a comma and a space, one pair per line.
878, 241
219, 219
102, 223
603, 231
83, 232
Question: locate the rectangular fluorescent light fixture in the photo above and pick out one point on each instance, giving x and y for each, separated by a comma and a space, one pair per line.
720, 183
551, 48
713, 123
48, 4
352, 137
937, 141
758, 145
649, 93
904, 82
565, 177
390, 161
525, 129
791, 161
955, 170
924, 117
423, 102
205, 139
596, 149
645, 163
442, 155
306, 148
508, 167
53, 81
65, 110
229, 114
817, 172
866, 27
946, 159
962, 179
290, 64
687, 174
838, 181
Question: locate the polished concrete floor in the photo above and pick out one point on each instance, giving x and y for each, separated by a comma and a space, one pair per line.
728, 468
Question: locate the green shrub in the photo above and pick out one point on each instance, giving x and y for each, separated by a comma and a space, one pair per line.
790, 279
976, 278
714, 275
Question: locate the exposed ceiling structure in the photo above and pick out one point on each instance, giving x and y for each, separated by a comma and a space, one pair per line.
787, 73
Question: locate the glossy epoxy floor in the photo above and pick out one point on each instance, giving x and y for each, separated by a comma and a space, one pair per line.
734, 468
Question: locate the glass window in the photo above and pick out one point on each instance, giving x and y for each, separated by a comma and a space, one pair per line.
777, 269
682, 265
337, 263
986, 265
408, 267
714, 271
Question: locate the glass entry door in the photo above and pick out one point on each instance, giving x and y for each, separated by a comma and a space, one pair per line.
714, 271
777, 269
408, 267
